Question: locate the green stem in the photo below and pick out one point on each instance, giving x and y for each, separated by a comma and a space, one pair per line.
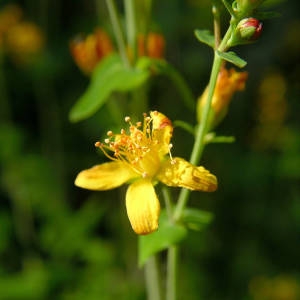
168, 202
152, 279
200, 134
117, 31
171, 273
203, 127
131, 25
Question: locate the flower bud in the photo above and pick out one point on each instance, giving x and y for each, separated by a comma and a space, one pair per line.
153, 45
88, 51
228, 83
249, 29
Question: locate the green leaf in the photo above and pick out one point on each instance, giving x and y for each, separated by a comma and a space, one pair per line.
167, 234
232, 58
211, 137
206, 37
196, 219
161, 67
185, 126
109, 76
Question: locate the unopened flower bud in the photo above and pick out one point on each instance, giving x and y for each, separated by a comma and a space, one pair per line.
228, 83
88, 51
153, 45
250, 29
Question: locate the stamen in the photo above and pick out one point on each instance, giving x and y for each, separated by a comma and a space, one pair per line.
109, 133
173, 161
127, 119
98, 144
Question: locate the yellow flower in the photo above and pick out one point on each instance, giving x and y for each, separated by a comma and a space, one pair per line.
142, 157
24, 41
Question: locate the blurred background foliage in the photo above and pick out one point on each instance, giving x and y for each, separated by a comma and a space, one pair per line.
60, 242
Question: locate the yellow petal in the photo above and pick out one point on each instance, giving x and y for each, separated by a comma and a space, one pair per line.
181, 173
162, 130
104, 177
142, 207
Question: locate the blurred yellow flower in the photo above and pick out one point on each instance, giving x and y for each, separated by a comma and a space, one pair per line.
24, 41
10, 15
140, 158
88, 51
228, 82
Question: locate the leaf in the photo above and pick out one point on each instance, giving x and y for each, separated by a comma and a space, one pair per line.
109, 76
232, 58
161, 67
196, 219
167, 234
185, 126
206, 37
213, 138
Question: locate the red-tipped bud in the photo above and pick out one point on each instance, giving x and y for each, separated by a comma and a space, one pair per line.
249, 29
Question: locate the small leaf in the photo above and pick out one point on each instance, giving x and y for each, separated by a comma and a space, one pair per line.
213, 138
161, 67
167, 234
232, 58
109, 76
196, 219
185, 126
206, 37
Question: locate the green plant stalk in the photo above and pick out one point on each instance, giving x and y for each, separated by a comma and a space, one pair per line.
116, 24
200, 135
196, 154
202, 129
131, 25
171, 273
152, 279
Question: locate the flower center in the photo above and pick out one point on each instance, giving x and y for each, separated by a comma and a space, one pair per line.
139, 147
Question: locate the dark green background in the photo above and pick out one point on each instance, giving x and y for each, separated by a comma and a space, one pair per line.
60, 242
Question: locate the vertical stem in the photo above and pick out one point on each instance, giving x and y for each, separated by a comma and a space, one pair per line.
217, 27
168, 202
200, 134
152, 279
131, 25
171, 273
117, 30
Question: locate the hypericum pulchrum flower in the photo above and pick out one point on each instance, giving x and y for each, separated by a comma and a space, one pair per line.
142, 157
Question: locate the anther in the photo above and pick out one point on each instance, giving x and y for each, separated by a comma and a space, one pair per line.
109, 133
127, 119
98, 144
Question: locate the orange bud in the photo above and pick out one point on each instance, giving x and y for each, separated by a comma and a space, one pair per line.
88, 51
152, 46
228, 82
